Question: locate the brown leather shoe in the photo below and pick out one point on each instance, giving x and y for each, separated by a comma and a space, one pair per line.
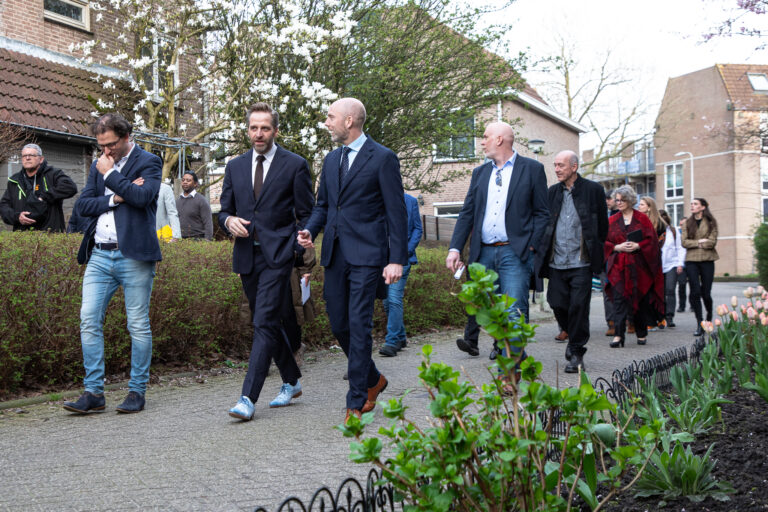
563, 336
374, 392
611, 329
350, 412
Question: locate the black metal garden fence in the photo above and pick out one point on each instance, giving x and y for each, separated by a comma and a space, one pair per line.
353, 496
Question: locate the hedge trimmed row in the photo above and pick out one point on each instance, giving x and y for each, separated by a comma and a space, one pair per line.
198, 310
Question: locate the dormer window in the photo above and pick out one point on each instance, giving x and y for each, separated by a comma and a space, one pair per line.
759, 81
69, 12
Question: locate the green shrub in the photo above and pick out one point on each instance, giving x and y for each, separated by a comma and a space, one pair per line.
198, 311
761, 253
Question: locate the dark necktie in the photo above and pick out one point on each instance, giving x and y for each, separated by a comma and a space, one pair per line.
344, 164
258, 179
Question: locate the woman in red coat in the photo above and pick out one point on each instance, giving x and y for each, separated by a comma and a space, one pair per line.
633, 267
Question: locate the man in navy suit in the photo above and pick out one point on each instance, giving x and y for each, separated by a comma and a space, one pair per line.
120, 247
360, 207
507, 209
266, 192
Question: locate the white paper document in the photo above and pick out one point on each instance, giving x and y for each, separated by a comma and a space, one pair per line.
304, 290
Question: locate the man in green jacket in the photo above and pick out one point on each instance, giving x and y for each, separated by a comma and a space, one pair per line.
34, 197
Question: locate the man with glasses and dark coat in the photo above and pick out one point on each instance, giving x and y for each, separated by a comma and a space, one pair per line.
121, 249
35, 195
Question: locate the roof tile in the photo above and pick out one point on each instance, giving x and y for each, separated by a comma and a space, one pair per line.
740, 91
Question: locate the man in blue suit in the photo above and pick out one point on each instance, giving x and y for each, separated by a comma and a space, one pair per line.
360, 207
120, 247
266, 192
507, 209
393, 304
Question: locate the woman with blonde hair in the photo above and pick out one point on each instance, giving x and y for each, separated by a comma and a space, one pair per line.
699, 239
647, 205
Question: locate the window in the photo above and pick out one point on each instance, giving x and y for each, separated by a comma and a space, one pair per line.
764, 173
156, 74
759, 81
675, 211
765, 209
447, 209
674, 180
71, 12
460, 146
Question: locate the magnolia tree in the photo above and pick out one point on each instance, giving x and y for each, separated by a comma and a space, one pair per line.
420, 66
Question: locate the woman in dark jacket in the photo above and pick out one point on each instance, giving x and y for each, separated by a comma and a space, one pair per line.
633, 267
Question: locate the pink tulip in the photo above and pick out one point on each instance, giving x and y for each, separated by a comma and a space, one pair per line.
751, 313
749, 292
764, 321
718, 323
734, 301
760, 290
758, 305
722, 310
749, 304
735, 316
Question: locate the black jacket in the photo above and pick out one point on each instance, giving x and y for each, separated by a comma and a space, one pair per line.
44, 203
589, 200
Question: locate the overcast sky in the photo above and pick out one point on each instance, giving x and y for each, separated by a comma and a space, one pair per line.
654, 39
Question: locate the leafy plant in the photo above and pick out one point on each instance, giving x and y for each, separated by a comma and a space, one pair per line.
680, 473
760, 386
485, 450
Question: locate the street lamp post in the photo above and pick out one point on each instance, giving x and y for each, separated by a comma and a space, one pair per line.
690, 156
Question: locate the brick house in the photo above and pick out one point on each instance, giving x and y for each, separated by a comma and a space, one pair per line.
716, 120
45, 90
536, 121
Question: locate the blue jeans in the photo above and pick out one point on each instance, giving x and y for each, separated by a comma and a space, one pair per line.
514, 276
393, 305
106, 271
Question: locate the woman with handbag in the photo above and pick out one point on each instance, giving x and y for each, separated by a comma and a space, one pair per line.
633, 267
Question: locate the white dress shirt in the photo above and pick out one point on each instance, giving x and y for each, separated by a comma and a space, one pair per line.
106, 231
191, 194
494, 223
268, 157
672, 252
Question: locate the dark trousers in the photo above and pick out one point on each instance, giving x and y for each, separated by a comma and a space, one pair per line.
291, 327
569, 294
349, 293
607, 302
264, 287
682, 281
471, 330
623, 311
670, 282
700, 276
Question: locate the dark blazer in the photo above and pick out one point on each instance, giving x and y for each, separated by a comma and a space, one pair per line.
367, 214
589, 200
415, 229
285, 197
526, 216
135, 218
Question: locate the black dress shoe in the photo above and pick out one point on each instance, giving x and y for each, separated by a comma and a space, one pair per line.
568, 353
574, 363
681, 310
495, 352
468, 346
699, 332
388, 350
134, 402
86, 403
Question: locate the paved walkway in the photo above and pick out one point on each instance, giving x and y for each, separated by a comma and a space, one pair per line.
185, 453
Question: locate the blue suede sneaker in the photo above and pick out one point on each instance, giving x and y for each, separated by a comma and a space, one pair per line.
244, 409
86, 403
133, 403
287, 392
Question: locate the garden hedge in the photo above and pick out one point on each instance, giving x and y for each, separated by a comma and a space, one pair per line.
198, 311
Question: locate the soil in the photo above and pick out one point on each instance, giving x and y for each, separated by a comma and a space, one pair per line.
741, 451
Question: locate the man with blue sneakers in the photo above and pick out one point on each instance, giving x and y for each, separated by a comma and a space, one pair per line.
120, 247
393, 304
266, 196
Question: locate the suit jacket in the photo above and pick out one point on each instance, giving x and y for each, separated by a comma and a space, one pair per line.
367, 214
526, 215
414, 227
134, 218
286, 197
589, 200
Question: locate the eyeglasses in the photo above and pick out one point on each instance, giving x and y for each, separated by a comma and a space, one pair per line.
619, 201
31, 156
110, 146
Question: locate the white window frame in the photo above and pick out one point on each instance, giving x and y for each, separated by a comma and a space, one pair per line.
435, 206
671, 209
758, 81
81, 4
156, 97
439, 159
676, 195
